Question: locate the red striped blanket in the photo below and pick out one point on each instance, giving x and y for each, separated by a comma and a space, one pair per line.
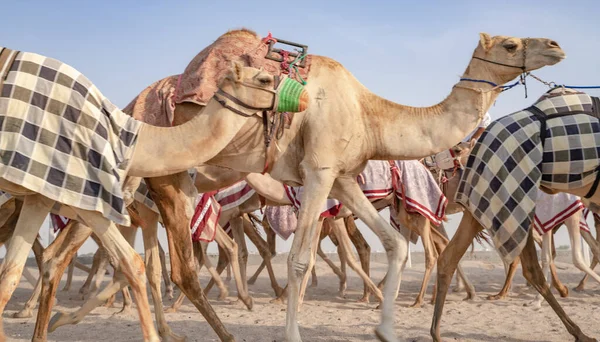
553, 210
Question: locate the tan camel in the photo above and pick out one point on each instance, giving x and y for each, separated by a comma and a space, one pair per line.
594, 209
326, 147
249, 87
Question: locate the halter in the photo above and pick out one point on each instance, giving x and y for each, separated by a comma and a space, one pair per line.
265, 120
522, 67
241, 103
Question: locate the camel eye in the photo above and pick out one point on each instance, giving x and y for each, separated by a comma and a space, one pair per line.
264, 81
510, 47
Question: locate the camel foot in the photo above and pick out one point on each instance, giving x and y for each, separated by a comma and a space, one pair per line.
59, 319
385, 335
496, 297
25, 313
170, 336
314, 284
66, 289
563, 292
579, 288
584, 338
536, 304
248, 302
458, 288
417, 304
252, 280
125, 311
169, 293
278, 292
364, 299
171, 310
470, 297
223, 295
278, 300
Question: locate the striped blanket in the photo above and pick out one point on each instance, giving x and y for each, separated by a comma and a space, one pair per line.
553, 210
514, 157
60, 137
234, 195
410, 181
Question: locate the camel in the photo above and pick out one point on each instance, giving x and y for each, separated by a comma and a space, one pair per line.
327, 146
521, 244
594, 209
244, 87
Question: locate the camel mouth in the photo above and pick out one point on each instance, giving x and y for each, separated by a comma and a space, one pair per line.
557, 55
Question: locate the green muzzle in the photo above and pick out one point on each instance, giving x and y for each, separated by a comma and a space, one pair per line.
292, 97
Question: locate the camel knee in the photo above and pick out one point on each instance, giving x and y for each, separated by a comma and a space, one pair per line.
580, 264
299, 264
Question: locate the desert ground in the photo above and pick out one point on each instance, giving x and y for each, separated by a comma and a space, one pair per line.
325, 316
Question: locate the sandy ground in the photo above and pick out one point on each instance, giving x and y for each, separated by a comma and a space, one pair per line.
327, 317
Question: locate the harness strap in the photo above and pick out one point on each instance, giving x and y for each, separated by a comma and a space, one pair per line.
542, 117
596, 106
595, 184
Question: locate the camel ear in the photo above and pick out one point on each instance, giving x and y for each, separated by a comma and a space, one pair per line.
236, 71
485, 40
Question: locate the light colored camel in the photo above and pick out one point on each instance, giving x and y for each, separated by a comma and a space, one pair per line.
595, 209
327, 146
252, 87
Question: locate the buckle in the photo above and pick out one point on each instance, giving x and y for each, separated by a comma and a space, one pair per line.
274, 54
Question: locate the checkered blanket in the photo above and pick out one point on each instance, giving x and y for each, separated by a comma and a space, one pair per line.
60, 137
509, 162
553, 210
4, 197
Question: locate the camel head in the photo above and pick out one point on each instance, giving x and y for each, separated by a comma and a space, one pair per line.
252, 90
507, 57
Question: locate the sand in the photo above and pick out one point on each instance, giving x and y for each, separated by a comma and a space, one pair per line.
327, 317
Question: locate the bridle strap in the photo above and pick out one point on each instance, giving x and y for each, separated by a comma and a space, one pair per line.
501, 64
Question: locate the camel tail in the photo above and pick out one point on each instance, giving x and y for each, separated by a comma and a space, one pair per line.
255, 222
483, 236
136, 219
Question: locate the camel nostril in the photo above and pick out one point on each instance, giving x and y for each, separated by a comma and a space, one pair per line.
553, 44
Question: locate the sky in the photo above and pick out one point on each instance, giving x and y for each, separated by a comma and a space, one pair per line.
410, 52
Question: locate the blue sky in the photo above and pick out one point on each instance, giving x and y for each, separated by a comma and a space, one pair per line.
407, 51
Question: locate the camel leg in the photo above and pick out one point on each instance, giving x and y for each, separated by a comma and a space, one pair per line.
572, 224
271, 243
96, 276
70, 270
228, 271
424, 230
128, 262
231, 248
512, 269
266, 255
165, 272
27, 310
338, 272
556, 283
364, 253
533, 273
314, 282
447, 263
56, 258
345, 245
222, 263
546, 260
311, 264
200, 249
33, 213
237, 227
152, 256
396, 246
596, 257
173, 194
460, 284
129, 235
